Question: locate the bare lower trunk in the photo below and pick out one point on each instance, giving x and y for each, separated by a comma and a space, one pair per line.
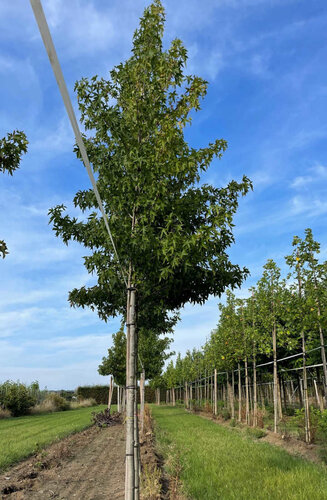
110, 393
247, 419
322, 342
233, 395
280, 409
305, 383
215, 393
142, 399
239, 393
305, 395
130, 393
255, 405
319, 402
275, 381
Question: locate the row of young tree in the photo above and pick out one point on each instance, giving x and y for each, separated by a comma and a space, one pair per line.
277, 332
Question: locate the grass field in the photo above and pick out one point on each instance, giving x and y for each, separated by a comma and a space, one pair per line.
220, 463
21, 436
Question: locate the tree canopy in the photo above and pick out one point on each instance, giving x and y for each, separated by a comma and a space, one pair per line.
173, 230
12, 147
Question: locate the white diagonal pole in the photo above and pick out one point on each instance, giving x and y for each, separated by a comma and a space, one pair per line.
50, 48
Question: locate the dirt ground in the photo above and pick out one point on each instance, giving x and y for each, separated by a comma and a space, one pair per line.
86, 466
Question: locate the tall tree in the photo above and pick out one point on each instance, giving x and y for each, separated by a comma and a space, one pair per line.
171, 233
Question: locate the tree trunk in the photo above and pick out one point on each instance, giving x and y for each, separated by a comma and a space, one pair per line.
142, 399
215, 393
239, 393
280, 409
305, 395
118, 398
305, 383
229, 408
322, 341
110, 393
319, 402
246, 391
275, 381
130, 392
233, 395
255, 405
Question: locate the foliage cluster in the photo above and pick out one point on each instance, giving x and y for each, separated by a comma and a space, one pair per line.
295, 305
318, 423
12, 147
18, 398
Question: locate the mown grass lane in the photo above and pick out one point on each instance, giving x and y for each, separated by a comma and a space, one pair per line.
219, 463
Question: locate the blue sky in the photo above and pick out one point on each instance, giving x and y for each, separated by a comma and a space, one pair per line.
266, 64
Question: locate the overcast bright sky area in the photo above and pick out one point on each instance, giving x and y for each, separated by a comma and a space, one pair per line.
266, 64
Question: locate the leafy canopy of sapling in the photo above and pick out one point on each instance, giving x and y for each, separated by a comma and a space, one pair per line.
271, 297
148, 173
311, 276
12, 147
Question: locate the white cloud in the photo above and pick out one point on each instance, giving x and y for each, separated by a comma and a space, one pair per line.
316, 174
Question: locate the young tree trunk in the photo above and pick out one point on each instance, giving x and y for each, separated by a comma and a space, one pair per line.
305, 395
284, 390
301, 399
275, 381
255, 405
319, 402
137, 462
130, 392
323, 355
215, 393
322, 340
229, 408
305, 383
280, 409
123, 399
239, 393
110, 393
246, 392
142, 399
233, 395
118, 398
205, 386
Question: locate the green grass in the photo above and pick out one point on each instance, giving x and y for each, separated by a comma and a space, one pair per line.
21, 436
219, 463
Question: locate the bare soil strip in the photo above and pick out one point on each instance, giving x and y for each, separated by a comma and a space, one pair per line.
88, 465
